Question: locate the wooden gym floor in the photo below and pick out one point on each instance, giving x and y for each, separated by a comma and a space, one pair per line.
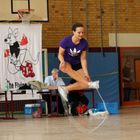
124, 126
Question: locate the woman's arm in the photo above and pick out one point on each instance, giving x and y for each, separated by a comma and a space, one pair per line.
61, 54
84, 64
61, 59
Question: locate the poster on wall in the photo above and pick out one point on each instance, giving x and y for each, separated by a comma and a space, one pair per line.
20, 54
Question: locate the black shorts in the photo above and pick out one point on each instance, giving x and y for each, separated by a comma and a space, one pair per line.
77, 66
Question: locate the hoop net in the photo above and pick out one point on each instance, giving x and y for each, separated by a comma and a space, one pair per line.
25, 15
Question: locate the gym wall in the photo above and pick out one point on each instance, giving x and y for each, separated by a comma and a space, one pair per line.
65, 12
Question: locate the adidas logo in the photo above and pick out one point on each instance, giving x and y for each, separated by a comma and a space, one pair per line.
74, 52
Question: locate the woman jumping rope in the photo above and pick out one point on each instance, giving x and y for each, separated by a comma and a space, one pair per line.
72, 57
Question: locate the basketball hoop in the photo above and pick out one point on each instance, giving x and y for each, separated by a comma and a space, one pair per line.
25, 15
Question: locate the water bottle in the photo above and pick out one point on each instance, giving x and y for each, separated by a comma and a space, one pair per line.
6, 87
95, 110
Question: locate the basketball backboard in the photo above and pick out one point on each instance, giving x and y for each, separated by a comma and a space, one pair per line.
9, 9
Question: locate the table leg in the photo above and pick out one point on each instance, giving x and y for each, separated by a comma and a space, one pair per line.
12, 105
92, 98
50, 103
6, 105
57, 103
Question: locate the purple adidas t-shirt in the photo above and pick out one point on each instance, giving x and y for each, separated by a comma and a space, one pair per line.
72, 51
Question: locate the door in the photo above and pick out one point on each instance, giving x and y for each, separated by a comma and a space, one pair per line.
137, 69
130, 76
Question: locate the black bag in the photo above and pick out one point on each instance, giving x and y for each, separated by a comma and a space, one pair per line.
75, 100
25, 86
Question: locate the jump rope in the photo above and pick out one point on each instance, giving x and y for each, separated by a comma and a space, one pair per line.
101, 116
99, 113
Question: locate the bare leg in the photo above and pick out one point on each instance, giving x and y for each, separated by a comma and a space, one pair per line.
76, 86
81, 83
78, 76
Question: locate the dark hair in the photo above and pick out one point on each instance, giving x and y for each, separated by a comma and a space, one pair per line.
76, 25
